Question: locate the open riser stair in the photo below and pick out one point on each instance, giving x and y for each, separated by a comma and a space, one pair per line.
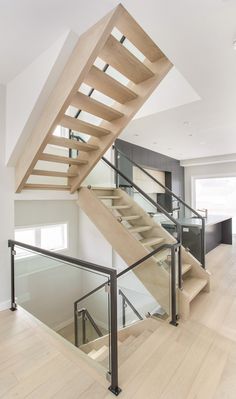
136, 67
133, 234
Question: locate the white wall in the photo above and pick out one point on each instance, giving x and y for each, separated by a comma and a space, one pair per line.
48, 288
208, 170
6, 210
28, 92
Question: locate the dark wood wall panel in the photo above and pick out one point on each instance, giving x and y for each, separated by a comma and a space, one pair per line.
154, 160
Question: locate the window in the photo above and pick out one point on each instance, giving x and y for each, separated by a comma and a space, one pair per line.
50, 237
218, 195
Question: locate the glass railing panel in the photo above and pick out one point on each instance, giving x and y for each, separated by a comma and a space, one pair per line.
93, 326
145, 290
47, 288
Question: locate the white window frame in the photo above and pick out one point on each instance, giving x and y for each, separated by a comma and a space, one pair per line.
38, 239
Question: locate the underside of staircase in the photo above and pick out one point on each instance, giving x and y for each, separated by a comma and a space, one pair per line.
136, 67
133, 234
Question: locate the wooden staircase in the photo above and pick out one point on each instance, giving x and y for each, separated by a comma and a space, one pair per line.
137, 69
130, 339
133, 234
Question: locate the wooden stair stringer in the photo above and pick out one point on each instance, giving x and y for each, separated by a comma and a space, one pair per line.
79, 63
196, 272
131, 250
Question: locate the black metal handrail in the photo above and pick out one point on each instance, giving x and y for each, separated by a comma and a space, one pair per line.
73, 262
85, 314
125, 302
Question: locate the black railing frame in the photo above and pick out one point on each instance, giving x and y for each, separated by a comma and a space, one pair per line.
173, 294
86, 316
114, 388
125, 302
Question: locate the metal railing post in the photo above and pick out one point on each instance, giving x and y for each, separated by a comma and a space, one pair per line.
173, 288
114, 388
203, 244
123, 311
13, 294
76, 325
83, 327
180, 279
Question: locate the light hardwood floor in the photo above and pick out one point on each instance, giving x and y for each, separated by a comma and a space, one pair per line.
196, 360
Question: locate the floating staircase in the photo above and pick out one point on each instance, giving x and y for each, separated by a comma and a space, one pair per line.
136, 67
133, 234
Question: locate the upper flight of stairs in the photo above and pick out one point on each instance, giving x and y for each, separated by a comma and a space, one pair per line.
138, 67
133, 234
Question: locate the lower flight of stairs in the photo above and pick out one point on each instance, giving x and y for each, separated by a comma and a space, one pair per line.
133, 233
129, 340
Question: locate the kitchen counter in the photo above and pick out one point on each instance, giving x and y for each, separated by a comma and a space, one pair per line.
218, 231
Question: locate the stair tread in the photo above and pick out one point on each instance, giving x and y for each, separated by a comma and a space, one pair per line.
193, 285
59, 159
186, 267
97, 354
81, 126
119, 206
40, 172
120, 58
103, 188
128, 340
94, 107
33, 186
107, 85
112, 197
139, 229
151, 241
69, 143
131, 217
162, 255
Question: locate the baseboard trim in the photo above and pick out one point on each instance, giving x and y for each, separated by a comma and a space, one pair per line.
5, 305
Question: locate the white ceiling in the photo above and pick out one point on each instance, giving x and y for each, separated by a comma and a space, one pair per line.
197, 37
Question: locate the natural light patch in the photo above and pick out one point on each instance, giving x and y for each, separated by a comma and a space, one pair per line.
126, 43
50, 237
85, 89
99, 63
111, 71
116, 33
102, 98
134, 50
117, 75
218, 196
86, 117
172, 92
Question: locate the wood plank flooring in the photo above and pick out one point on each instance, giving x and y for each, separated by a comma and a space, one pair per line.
196, 360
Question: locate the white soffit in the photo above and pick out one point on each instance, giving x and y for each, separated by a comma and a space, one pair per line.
172, 92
